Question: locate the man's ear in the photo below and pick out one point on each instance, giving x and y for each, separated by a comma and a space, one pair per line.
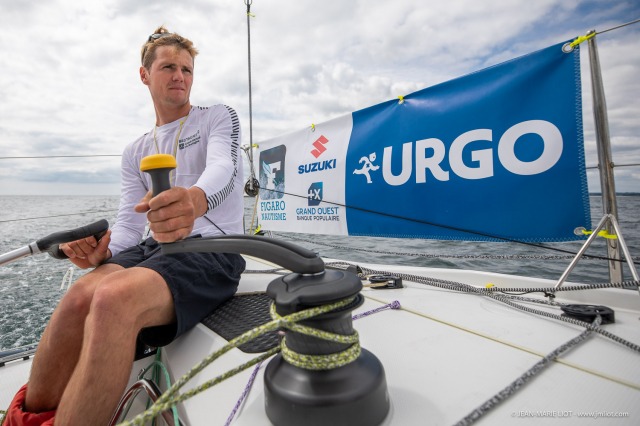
144, 76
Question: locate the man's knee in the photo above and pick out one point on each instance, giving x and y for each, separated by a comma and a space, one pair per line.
77, 301
112, 298
119, 297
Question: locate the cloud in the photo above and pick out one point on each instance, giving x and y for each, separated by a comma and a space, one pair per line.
71, 86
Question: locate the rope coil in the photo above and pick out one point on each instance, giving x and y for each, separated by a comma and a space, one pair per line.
318, 362
321, 362
172, 396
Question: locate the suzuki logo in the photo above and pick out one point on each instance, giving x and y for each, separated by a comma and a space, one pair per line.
319, 146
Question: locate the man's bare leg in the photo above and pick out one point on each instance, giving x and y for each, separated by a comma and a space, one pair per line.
130, 300
60, 345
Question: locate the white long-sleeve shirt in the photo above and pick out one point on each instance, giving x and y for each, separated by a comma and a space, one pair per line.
208, 156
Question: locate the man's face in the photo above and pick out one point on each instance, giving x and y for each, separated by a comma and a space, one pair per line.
170, 77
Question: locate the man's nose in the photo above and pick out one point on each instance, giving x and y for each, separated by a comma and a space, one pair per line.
178, 75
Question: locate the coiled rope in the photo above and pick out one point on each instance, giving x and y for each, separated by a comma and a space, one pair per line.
393, 305
172, 396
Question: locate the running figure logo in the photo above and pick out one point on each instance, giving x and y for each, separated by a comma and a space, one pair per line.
367, 165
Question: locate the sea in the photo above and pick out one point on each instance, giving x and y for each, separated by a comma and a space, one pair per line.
30, 288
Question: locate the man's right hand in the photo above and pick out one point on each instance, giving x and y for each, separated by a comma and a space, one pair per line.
87, 252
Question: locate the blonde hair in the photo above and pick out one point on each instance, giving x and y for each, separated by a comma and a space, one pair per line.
162, 37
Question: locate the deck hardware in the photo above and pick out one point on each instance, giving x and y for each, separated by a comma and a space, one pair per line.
355, 391
392, 282
588, 313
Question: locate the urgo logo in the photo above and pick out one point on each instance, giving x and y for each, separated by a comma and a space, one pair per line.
415, 154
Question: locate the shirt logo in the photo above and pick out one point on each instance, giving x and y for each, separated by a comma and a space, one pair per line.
189, 140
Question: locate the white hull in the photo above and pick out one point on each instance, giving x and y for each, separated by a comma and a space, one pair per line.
444, 354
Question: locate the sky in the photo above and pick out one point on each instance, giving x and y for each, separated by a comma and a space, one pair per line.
70, 83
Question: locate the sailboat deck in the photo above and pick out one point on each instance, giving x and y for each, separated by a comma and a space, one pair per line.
446, 353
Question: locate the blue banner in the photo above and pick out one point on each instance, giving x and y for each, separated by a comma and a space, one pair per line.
494, 155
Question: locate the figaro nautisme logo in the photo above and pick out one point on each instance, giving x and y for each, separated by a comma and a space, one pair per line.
272, 176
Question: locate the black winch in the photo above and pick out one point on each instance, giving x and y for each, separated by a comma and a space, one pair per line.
353, 394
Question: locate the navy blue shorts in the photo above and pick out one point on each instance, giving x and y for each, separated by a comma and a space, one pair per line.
199, 282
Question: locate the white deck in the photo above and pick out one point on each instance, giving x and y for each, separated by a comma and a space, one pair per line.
444, 354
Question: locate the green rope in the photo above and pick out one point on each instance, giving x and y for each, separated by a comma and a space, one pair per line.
159, 367
172, 397
321, 362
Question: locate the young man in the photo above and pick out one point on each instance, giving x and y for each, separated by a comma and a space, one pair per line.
84, 358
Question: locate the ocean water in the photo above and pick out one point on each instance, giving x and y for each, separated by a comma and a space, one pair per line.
30, 287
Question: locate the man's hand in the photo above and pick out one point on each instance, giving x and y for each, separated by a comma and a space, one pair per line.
87, 252
172, 213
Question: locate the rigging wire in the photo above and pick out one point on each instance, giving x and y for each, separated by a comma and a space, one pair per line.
448, 256
618, 26
60, 156
250, 151
59, 215
486, 235
454, 228
614, 165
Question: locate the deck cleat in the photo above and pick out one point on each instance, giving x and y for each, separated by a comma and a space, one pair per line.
588, 313
392, 282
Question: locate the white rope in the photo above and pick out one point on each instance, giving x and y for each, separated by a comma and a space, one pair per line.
67, 279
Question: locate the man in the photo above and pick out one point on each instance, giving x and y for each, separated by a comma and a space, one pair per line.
84, 358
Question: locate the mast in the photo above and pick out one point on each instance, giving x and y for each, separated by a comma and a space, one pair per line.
251, 181
605, 160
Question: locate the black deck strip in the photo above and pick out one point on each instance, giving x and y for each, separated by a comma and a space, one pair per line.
240, 314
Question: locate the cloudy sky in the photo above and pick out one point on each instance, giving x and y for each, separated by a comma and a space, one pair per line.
70, 83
